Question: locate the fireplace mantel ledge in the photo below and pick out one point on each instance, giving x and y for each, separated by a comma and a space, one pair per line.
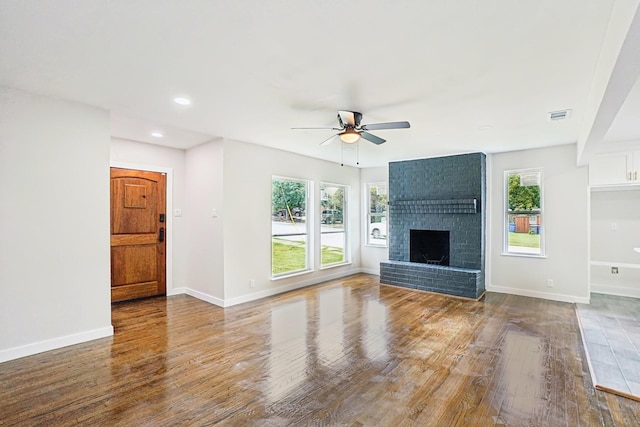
434, 206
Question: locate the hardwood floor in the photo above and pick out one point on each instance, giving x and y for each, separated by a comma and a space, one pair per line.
349, 352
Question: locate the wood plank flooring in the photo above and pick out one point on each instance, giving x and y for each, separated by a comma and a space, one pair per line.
348, 352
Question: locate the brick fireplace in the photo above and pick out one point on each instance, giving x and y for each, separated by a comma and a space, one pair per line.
439, 201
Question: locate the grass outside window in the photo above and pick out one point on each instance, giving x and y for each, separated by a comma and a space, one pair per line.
289, 256
525, 240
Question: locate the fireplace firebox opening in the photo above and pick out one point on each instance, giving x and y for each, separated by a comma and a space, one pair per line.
429, 246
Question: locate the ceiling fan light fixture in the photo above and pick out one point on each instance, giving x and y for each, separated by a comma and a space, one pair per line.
349, 136
351, 130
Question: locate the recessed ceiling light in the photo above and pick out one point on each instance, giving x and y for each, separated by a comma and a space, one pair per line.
157, 134
485, 128
182, 101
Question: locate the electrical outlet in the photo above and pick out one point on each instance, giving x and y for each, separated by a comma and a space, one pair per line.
614, 270
549, 283
252, 283
614, 226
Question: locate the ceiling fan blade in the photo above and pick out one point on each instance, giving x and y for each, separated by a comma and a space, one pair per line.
328, 140
372, 138
390, 125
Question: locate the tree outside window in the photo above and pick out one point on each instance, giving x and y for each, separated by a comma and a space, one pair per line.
289, 226
524, 225
376, 221
333, 236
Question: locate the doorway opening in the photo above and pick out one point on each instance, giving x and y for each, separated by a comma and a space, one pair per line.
139, 228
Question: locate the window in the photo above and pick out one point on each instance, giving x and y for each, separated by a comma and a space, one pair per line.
377, 199
524, 233
289, 226
332, 224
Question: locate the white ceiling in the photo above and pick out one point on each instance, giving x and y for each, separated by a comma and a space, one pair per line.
468, 75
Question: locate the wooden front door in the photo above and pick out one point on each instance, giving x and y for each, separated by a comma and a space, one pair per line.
138, 230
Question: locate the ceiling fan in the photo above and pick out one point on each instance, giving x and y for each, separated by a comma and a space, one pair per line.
351, 129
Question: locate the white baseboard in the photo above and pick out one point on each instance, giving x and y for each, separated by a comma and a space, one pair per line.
538, 294
370, 271
205, 297
265, 293
290, 287
615, 290
176, 291
269, 292
54, 343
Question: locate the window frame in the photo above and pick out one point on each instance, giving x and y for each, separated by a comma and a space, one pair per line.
346, 259
309, 265
368, 215
541, 227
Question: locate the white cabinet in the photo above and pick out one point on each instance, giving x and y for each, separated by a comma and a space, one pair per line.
615, 169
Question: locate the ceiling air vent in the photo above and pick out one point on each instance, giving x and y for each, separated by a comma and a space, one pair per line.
558, 115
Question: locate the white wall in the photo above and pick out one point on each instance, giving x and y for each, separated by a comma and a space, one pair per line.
54, 195
248, 170
54, 224
219, 255
566, 207
372, 256
615, 231
205, 238
140, 155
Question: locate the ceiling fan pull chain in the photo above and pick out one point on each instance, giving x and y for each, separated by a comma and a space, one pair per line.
357, 153
341, 153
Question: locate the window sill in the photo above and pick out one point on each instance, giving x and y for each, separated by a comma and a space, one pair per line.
340, 264
286, 276
369, 245
523, 255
